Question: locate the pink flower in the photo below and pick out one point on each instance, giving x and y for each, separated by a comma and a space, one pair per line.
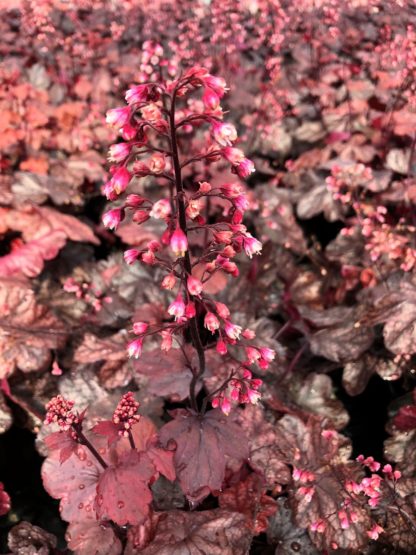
128, 132
131, 255
118, 152
137, 95
267, 354
232, 330
211, 322
190, 310
157, 163
179, 242
307, 493
253, 354
134, 348
118, 117
134, 201
253, 396
194, 286
217, 84
126, 413
109, 191
248, 334
245, 168
222, 402
140, 169
318, 526
112, 218
234, 155
204, 187
251, 245
224, 133
140, 327
221, 347
59, 410
121, 179
169, 282
161, 209
142, 93
177, 308
166, 341
375, 531
210, 99
140, 216
222, 310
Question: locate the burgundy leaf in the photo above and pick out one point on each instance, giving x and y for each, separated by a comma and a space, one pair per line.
249, 498
28, 330
204, 445
216, 532
169, 373
90, 537
264, 451
74, 482
63, 442
123, 495
108, 429
343, 338
405, 419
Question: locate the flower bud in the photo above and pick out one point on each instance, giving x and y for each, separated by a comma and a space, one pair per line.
169, 282
179, 242
112, 218
118, 116
131, 255
194, 286
211, 322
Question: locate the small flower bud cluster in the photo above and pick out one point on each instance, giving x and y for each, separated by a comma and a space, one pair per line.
126, 413
59, 411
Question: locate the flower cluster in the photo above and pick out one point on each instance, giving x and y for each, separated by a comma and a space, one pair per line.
126, 413
153, 126
59, 411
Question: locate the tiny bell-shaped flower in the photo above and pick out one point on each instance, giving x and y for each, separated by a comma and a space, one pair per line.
221, 347
210, 99
224, 133
179, 242
169, 282
118, 152
177, 308
131, 255
140, 327
161, 209
112, 218
232, 330
190, 310
222, 310
121, 179
134, 348
118, 117
194, 286
211, 322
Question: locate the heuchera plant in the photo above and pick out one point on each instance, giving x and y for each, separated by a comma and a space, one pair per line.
204, 393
